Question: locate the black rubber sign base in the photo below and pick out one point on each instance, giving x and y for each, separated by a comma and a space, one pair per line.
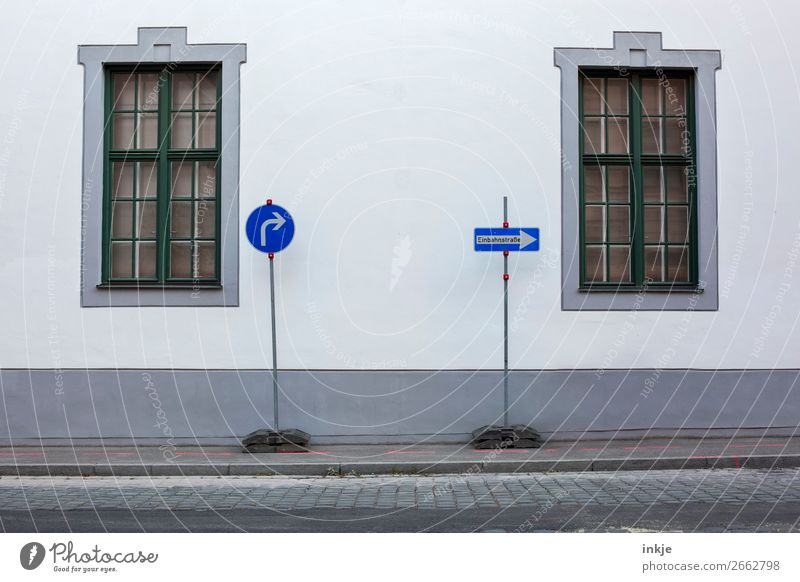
517, 436
270, 441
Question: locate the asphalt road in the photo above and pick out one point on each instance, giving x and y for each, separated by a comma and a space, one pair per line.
697, 500
698, 517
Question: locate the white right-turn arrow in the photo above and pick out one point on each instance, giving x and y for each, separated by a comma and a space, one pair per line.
278, 221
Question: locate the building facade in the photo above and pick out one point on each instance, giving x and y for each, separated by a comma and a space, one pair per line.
649, 146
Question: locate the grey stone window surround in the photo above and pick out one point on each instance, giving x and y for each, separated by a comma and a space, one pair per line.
639, 50
159, 46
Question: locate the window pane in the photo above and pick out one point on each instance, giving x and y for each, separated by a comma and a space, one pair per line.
617, 95
618, 183
146, 260
206, 130
651, 177
651, 97
654, 263
593, 136
595, 224
651, 135
182, 86
205, 218
620, 264
181, 219
676, 184
618, 135
206, 180
123, 131
678, 224
592, 100
674, 135
593, 183
123, 91
148, 180
595, 263
182, 179
207, 95
121, 220
676, 97
148, 92
146, 220
205, 261
180, 259
678, 264
123, 181
148, 131
653, 224
619, 225
182, 130
121, 259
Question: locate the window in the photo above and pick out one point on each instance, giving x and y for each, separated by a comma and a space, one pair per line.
162, 162
637, 180
160, 192
638, 176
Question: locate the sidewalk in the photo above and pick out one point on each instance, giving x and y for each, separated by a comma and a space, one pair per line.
342, 460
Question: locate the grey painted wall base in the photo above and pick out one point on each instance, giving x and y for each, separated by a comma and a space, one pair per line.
157, 407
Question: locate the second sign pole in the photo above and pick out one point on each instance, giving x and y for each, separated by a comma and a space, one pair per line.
505, 318
506, 239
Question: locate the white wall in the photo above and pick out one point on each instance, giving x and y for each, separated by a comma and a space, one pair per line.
379, 122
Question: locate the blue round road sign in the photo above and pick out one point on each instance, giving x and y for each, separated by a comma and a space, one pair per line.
270, 228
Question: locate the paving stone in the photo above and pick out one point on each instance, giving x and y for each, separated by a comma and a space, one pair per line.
733, 486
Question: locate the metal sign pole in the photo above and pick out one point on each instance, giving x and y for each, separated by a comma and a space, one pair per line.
505, 318
506, 239
274, 342
270, 229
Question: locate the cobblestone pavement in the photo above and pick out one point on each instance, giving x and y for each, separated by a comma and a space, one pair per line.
636, 488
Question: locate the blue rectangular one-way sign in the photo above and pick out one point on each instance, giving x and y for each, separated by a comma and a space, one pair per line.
506, 239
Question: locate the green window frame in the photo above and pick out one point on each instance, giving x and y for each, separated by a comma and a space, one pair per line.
637, 171
161, 175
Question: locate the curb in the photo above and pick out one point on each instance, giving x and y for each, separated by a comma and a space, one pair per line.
400, 468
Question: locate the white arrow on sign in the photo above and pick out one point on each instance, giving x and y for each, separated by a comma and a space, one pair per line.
278, 221
525, 239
